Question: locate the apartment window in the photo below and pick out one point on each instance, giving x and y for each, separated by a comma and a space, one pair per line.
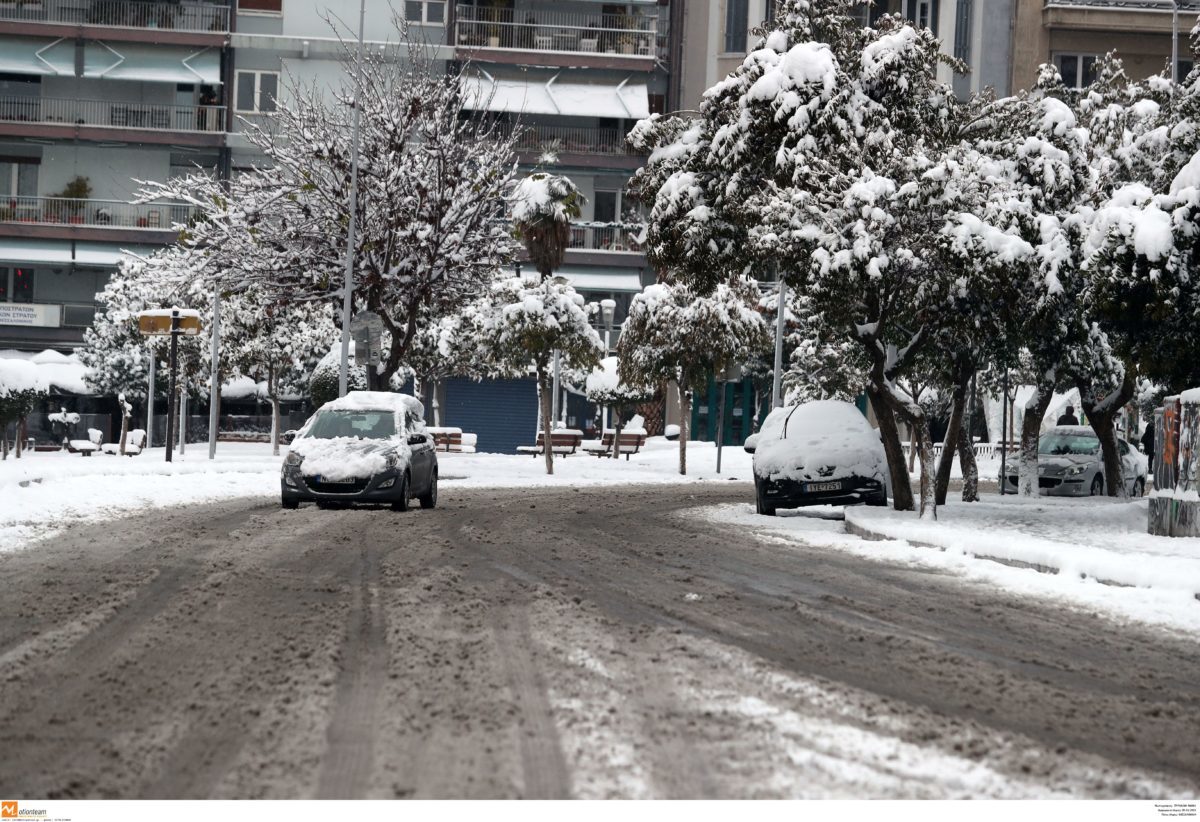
922, 13
16, 285
962, 30
256, 91
861, 13
1184, 68
1077, 70
261, 6
18, 178
737, 14
429, 12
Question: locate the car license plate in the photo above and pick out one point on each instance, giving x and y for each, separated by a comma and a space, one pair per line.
328, 481
814, 487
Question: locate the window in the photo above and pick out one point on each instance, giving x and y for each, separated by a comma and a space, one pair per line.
861, 13
256, 91
261, 6
922, 13
18, 178
737, 13
1077, 70
18, 284
962, 30
1184, 67
430, 12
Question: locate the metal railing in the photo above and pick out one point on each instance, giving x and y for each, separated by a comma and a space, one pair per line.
1130, 5
107, 114
114, 214
572, 140
198, 17
536, 30
590, 236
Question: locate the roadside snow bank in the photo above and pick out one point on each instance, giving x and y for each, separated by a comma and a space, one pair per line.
1100, 539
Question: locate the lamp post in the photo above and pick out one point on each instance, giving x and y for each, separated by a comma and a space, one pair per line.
1175, 42
1004, 438
150, 399
348, 291
214, 388
608, 310
777, 378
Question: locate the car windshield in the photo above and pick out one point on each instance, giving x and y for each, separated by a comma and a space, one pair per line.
370, 425
1059, 444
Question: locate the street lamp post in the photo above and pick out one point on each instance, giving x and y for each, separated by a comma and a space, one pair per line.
1004, 438
608, 311
777, 379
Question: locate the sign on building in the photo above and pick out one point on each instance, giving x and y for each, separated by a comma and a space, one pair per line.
28, 314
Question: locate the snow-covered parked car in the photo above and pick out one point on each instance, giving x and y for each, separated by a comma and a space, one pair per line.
1070, 464
369, 446
817, 453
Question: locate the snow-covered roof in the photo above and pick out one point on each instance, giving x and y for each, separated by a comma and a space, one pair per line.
376, 401
63, 372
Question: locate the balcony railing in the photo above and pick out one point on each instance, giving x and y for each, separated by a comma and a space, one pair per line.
572, 140
592, 236
194, 17
113, 214
534, 30
106, 114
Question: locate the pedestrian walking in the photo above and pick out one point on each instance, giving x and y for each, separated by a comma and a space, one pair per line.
1148, 445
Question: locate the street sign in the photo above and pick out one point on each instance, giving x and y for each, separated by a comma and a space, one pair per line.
158, 322
367, 329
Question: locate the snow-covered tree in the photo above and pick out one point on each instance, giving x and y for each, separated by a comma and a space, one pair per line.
522, 323
126, 412
604, 387
20, 389
543, 206
432, 182
673, 334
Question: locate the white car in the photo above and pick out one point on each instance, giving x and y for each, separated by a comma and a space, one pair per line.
817, 453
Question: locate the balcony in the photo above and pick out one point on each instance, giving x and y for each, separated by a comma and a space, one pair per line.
136, 14
618, 237
576, 146
105, 120
67, 218
510, 35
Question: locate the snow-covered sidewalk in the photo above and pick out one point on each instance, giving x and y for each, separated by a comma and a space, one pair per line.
1100, 539
45, 491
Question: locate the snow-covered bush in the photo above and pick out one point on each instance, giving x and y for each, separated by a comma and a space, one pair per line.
20, 389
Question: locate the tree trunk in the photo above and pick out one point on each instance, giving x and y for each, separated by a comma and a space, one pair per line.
3, 440
124, 427
950, 444
902, 498
925, 446
685, 420
543, 380
1031, 430
20, 436
970, 469
1102, 416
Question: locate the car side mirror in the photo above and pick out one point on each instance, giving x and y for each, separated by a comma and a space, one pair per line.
289, 435
416, 439
751, 444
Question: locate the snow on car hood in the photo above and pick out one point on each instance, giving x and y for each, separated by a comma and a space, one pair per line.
343, 458
823, 440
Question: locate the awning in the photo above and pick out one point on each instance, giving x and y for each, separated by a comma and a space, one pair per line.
154, 64
58, 253
626, 101
594, 278
27, 55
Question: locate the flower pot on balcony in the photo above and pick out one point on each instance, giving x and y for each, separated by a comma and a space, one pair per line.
494, 41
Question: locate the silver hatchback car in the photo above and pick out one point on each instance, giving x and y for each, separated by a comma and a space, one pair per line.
1070, 464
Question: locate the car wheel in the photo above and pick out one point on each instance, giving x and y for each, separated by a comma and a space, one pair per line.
291, 504
401, 503
1139, 487
1098, 486
760, 502
878, 500
429, 498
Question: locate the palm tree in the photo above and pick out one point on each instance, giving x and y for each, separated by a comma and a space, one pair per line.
543, 206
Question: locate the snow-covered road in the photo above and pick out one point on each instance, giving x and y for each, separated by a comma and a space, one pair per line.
482, 649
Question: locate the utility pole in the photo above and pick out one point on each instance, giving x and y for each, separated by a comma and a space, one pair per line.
1175, 42
171, 404
150, 399
214, 389
348, 291
1004, 438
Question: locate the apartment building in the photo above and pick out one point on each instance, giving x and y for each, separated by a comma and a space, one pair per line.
94, 96
1075, 34
717, 34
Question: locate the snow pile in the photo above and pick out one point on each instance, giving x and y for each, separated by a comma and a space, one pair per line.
63, 372
819, 440
1098, 539
18, 375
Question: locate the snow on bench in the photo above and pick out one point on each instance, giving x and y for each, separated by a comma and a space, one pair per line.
135, 439
446, 438
632, 440
86, 447
563, 442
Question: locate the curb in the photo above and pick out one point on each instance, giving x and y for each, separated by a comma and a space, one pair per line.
863, 532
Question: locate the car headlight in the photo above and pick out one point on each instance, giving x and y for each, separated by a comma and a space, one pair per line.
1076, 470
293, 458
393, 461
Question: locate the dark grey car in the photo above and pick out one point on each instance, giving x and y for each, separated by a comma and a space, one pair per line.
350, 452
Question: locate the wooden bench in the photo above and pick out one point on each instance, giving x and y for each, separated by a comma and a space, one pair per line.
451, 439
631, 443
89, 446
563, 442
